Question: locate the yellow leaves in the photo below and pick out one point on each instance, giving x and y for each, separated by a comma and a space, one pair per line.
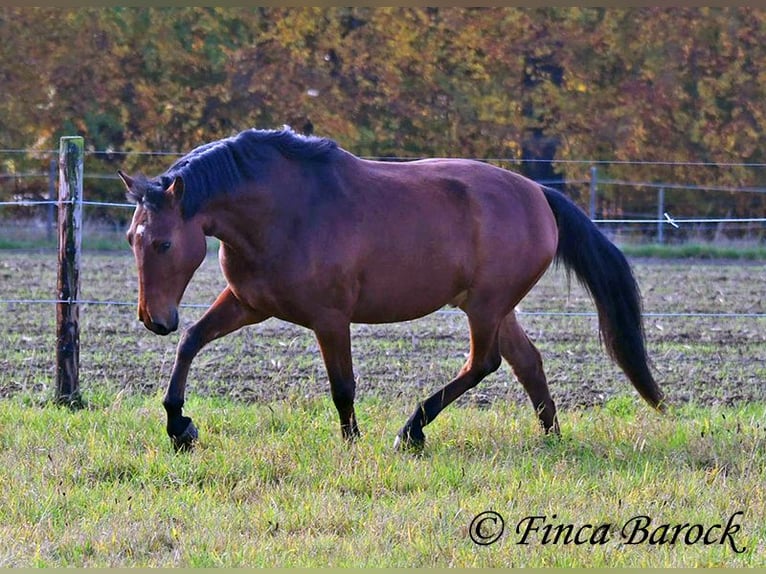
573, 84
394, 80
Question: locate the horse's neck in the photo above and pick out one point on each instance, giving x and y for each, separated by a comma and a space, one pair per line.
246, 221
234, 220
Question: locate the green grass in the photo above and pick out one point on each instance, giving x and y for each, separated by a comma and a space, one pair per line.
696, 251
273, 485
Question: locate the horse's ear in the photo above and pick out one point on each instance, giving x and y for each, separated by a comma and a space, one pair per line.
176, 189
126, 179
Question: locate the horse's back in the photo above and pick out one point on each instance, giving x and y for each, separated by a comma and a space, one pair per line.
434, 230
475, 204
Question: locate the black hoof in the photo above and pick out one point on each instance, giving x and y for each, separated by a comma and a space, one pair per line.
409, 441
351, 439
185, 441
350, 433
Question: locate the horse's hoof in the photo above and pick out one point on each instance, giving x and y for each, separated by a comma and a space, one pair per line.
185, 441
405, 442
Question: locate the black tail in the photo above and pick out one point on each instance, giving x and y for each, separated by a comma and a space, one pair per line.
603, 270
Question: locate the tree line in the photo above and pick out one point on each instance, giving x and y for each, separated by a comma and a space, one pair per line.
528, 84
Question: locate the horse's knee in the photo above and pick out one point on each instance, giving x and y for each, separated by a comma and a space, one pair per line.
188, 346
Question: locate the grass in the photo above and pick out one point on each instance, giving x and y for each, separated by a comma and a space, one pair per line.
273, 485
694, 250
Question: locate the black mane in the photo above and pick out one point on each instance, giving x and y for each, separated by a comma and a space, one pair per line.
224, 165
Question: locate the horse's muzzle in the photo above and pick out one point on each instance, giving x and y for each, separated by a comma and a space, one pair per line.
161, 327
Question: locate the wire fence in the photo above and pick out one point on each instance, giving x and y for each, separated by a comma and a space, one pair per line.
445, 311
541, 312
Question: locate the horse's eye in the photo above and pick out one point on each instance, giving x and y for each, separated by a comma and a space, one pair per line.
162, 246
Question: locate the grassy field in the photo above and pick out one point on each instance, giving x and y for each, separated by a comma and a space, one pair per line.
271, 482
274, 486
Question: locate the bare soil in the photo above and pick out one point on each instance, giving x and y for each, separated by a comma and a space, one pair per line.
705, 359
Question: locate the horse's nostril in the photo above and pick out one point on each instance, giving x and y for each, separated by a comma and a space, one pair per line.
161, 327
158, 328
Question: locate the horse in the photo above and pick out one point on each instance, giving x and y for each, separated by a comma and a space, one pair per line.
316, 236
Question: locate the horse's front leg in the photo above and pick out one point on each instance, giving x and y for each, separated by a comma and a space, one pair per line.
334, 339
225, 315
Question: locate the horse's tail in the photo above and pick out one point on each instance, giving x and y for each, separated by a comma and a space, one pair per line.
603, 270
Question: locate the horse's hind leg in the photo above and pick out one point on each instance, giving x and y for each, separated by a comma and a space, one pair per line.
484, 359
525, 360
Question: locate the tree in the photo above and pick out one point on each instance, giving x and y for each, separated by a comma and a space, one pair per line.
652, 84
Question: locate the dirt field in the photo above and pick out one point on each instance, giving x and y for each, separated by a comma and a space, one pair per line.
702, 359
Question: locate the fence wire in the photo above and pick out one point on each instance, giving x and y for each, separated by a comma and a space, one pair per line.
444, 311
675, 222
667, 220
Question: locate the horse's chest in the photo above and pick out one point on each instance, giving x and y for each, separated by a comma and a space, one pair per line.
262, 285
244, 275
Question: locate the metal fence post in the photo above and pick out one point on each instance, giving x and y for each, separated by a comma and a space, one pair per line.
68, 286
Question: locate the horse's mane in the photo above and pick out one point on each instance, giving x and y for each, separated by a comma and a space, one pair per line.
222, 166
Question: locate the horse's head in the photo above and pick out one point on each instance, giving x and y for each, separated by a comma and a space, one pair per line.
168, 249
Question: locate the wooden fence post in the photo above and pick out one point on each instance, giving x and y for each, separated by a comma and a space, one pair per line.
593, 192
660, 215
68, 287
51, 197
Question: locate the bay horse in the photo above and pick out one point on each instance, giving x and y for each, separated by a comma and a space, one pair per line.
313, 235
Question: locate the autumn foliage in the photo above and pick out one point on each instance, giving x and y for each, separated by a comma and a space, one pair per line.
651, 84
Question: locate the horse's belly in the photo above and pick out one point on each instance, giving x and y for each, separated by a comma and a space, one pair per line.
407, 295
383, 314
